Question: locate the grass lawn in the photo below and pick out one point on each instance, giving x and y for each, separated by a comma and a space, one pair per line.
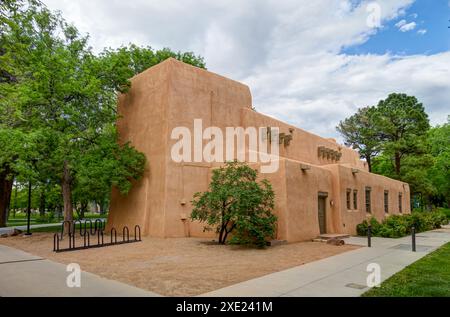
19, 222
58, 228
430, 276
21, 219
48, 229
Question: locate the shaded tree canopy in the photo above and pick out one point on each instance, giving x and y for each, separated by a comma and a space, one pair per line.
360, 133
396, 140
58, 104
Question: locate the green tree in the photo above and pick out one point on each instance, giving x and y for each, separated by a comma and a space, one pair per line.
236, 202
360, 133
137, 58
51, 82
11, 144
10, 141
439, 173
65, 92
105, 165
402, 125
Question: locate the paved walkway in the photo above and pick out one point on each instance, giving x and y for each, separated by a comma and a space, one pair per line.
341, 275
24, 274
9, 230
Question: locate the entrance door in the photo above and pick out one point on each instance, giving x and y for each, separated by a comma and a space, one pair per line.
322, 214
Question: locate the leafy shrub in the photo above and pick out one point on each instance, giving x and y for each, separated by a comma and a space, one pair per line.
445, 211
397, 226
237, 206
362, 227
47, 218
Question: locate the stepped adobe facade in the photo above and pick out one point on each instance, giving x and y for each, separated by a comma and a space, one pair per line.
320, 186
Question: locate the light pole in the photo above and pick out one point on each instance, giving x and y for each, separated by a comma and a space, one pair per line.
28, 233
29, 209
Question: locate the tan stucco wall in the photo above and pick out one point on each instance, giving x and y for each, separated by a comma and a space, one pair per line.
346, 179
143, 122
173, 94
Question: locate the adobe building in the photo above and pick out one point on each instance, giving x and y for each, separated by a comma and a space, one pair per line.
320, 185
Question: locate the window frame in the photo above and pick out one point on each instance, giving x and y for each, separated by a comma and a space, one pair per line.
349, 198
368, 200
355, 199
386, 201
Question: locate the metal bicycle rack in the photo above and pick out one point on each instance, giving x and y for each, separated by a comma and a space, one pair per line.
96, 228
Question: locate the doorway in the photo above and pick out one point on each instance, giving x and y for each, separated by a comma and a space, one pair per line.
322, 213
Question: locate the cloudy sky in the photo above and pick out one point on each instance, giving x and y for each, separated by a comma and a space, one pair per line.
310, 63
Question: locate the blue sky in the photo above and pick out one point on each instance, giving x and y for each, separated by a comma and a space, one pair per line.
432, 16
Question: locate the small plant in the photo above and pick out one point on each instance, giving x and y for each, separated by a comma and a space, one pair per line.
397, 226
236, 203
362, 227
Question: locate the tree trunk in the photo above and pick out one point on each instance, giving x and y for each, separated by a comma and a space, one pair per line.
369, 163
15, 201
221, 234
227, 232
66, 185
42, 204
83, 208
96, 207
60, 211
102, 205
6, 184
397, 163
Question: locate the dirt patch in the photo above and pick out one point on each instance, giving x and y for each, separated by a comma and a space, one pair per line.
179, 266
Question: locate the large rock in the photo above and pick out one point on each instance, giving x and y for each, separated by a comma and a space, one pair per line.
16, 232
336, 242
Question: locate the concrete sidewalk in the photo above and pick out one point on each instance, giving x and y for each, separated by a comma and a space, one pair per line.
9, 230
23, 274
344, 274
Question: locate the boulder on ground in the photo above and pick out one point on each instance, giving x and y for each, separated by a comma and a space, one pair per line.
16, 232
4, 235
336, 242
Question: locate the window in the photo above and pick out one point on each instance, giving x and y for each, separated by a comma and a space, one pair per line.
349, 191
400, 196
368, 203
355, 199
386, 201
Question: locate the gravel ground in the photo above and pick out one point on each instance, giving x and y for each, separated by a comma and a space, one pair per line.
179, 266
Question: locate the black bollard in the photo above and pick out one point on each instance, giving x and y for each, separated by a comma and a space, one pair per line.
413, 237
369, 236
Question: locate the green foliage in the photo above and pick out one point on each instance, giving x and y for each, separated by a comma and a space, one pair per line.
361, 228
360, 133
396, 226
58, 108
439, 173
396, 140
107, 164
135, 59
236, 202
445, 211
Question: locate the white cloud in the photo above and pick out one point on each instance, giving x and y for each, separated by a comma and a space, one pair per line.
405, 27
332, 87
288, 52
400, 23
422, 31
